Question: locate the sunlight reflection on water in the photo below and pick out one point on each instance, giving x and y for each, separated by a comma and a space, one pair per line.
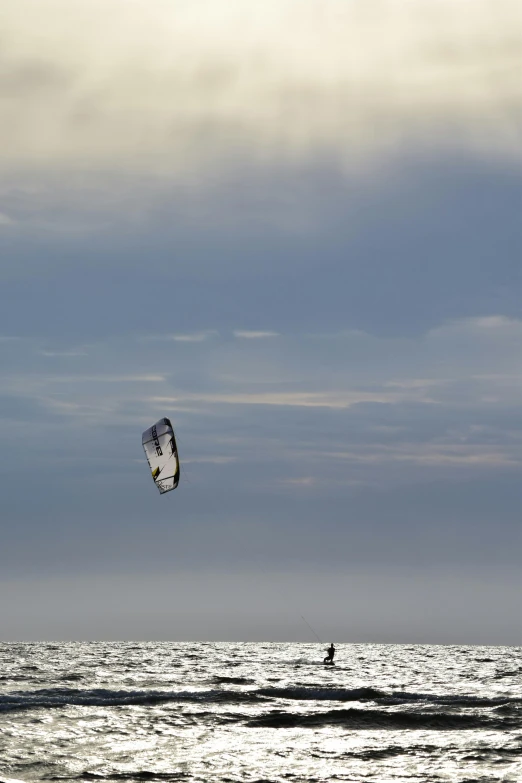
246, 712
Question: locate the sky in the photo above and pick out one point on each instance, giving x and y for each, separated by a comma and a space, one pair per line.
294, 228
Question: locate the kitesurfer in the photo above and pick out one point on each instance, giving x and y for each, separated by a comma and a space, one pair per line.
331, 652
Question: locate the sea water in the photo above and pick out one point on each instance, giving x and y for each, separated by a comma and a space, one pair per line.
224, 712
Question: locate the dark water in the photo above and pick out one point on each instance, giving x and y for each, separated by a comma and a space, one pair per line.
259, 712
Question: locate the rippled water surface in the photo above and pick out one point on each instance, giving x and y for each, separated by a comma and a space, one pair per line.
259, 712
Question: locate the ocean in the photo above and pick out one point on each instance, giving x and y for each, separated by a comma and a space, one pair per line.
260, 712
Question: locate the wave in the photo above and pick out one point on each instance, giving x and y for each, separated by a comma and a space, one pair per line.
64, 697
354, 718
510, 708
18, 678
323, 694
125, 776
318, 693
451, 699
379, 754
233, 680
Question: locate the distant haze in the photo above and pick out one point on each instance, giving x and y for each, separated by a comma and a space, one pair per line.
293, 228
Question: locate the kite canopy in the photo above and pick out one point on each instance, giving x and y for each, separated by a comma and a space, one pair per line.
161, 451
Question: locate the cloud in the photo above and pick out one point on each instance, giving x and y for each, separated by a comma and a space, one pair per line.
63, 354
211, 460
174, 87
431, 454
495, 322
64, 407
357, 370
495, 325
292, 399
304, 481
106, 378
189, 337
5, 220
418, 383
252, 335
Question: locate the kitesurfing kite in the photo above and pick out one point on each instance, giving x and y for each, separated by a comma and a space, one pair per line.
161, 451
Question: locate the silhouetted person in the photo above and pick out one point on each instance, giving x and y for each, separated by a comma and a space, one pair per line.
331, 652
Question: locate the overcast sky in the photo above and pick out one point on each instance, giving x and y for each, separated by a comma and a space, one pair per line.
294, 228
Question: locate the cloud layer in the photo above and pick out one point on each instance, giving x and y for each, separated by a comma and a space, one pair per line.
376, 405
173, 87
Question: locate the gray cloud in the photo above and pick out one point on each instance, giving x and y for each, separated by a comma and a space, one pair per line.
413, 249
